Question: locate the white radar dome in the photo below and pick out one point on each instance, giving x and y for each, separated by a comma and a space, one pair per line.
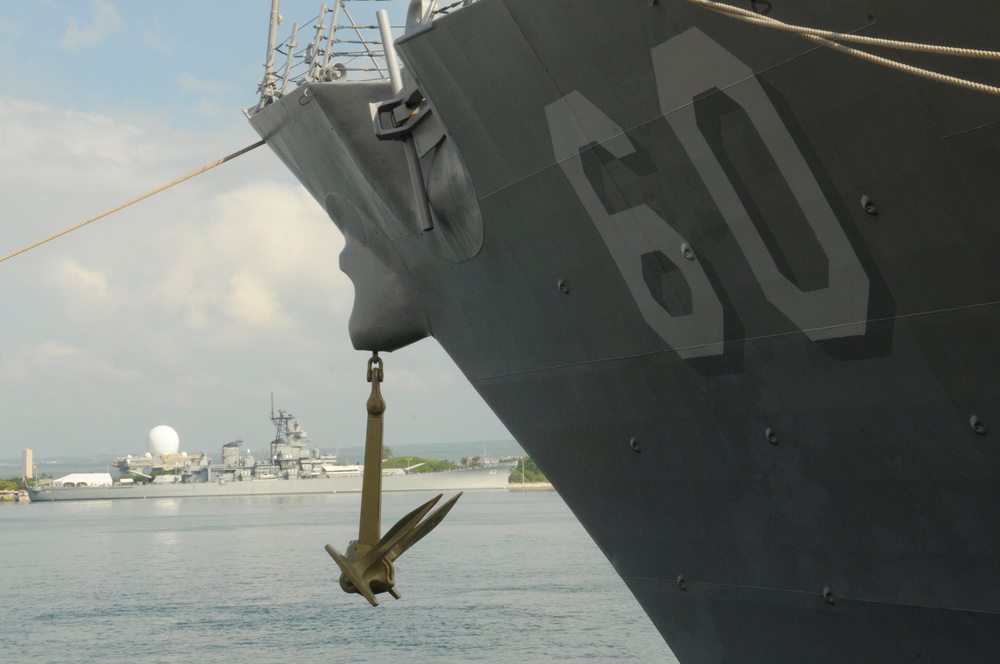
163, 440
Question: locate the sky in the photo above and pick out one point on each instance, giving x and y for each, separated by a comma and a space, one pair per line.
192, 307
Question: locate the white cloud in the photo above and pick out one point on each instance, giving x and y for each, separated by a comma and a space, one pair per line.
46, 147
104, 21
55, 360
161, 43
189, 83
69, 274
252, 302
21, 366
261, 247
213, 96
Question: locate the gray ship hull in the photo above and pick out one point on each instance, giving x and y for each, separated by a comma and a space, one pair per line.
457, 480
736, 294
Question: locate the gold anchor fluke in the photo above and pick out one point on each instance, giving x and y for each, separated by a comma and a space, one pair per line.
366, 567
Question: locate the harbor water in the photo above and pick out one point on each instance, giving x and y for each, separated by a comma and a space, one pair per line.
507, 577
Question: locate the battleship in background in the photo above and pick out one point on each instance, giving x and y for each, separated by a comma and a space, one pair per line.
734, 290
292, 468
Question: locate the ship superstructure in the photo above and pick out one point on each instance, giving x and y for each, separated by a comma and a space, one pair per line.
731, 284
291, 455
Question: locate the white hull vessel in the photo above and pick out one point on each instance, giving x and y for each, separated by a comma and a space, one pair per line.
454, 480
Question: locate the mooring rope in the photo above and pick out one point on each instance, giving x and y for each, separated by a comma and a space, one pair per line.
832, 40
139, 198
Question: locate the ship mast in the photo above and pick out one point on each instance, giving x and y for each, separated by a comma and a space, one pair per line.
267, 85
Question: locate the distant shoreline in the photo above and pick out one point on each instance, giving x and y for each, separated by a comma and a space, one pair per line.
529, 486
100, 462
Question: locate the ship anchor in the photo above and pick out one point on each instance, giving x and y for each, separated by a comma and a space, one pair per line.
366, 567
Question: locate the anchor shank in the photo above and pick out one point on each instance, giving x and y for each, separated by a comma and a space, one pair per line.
371, 484
366, 565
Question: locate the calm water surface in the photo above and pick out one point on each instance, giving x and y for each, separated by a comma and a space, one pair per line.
507, 577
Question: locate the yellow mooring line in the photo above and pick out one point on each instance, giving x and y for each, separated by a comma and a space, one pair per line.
139, 198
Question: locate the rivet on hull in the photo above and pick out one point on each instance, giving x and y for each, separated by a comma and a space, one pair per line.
681, 583
563, 287
977, 425
869, 207
687, 251
634, 444
771, 436
828, 596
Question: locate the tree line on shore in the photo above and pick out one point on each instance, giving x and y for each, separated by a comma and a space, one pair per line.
526, 471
